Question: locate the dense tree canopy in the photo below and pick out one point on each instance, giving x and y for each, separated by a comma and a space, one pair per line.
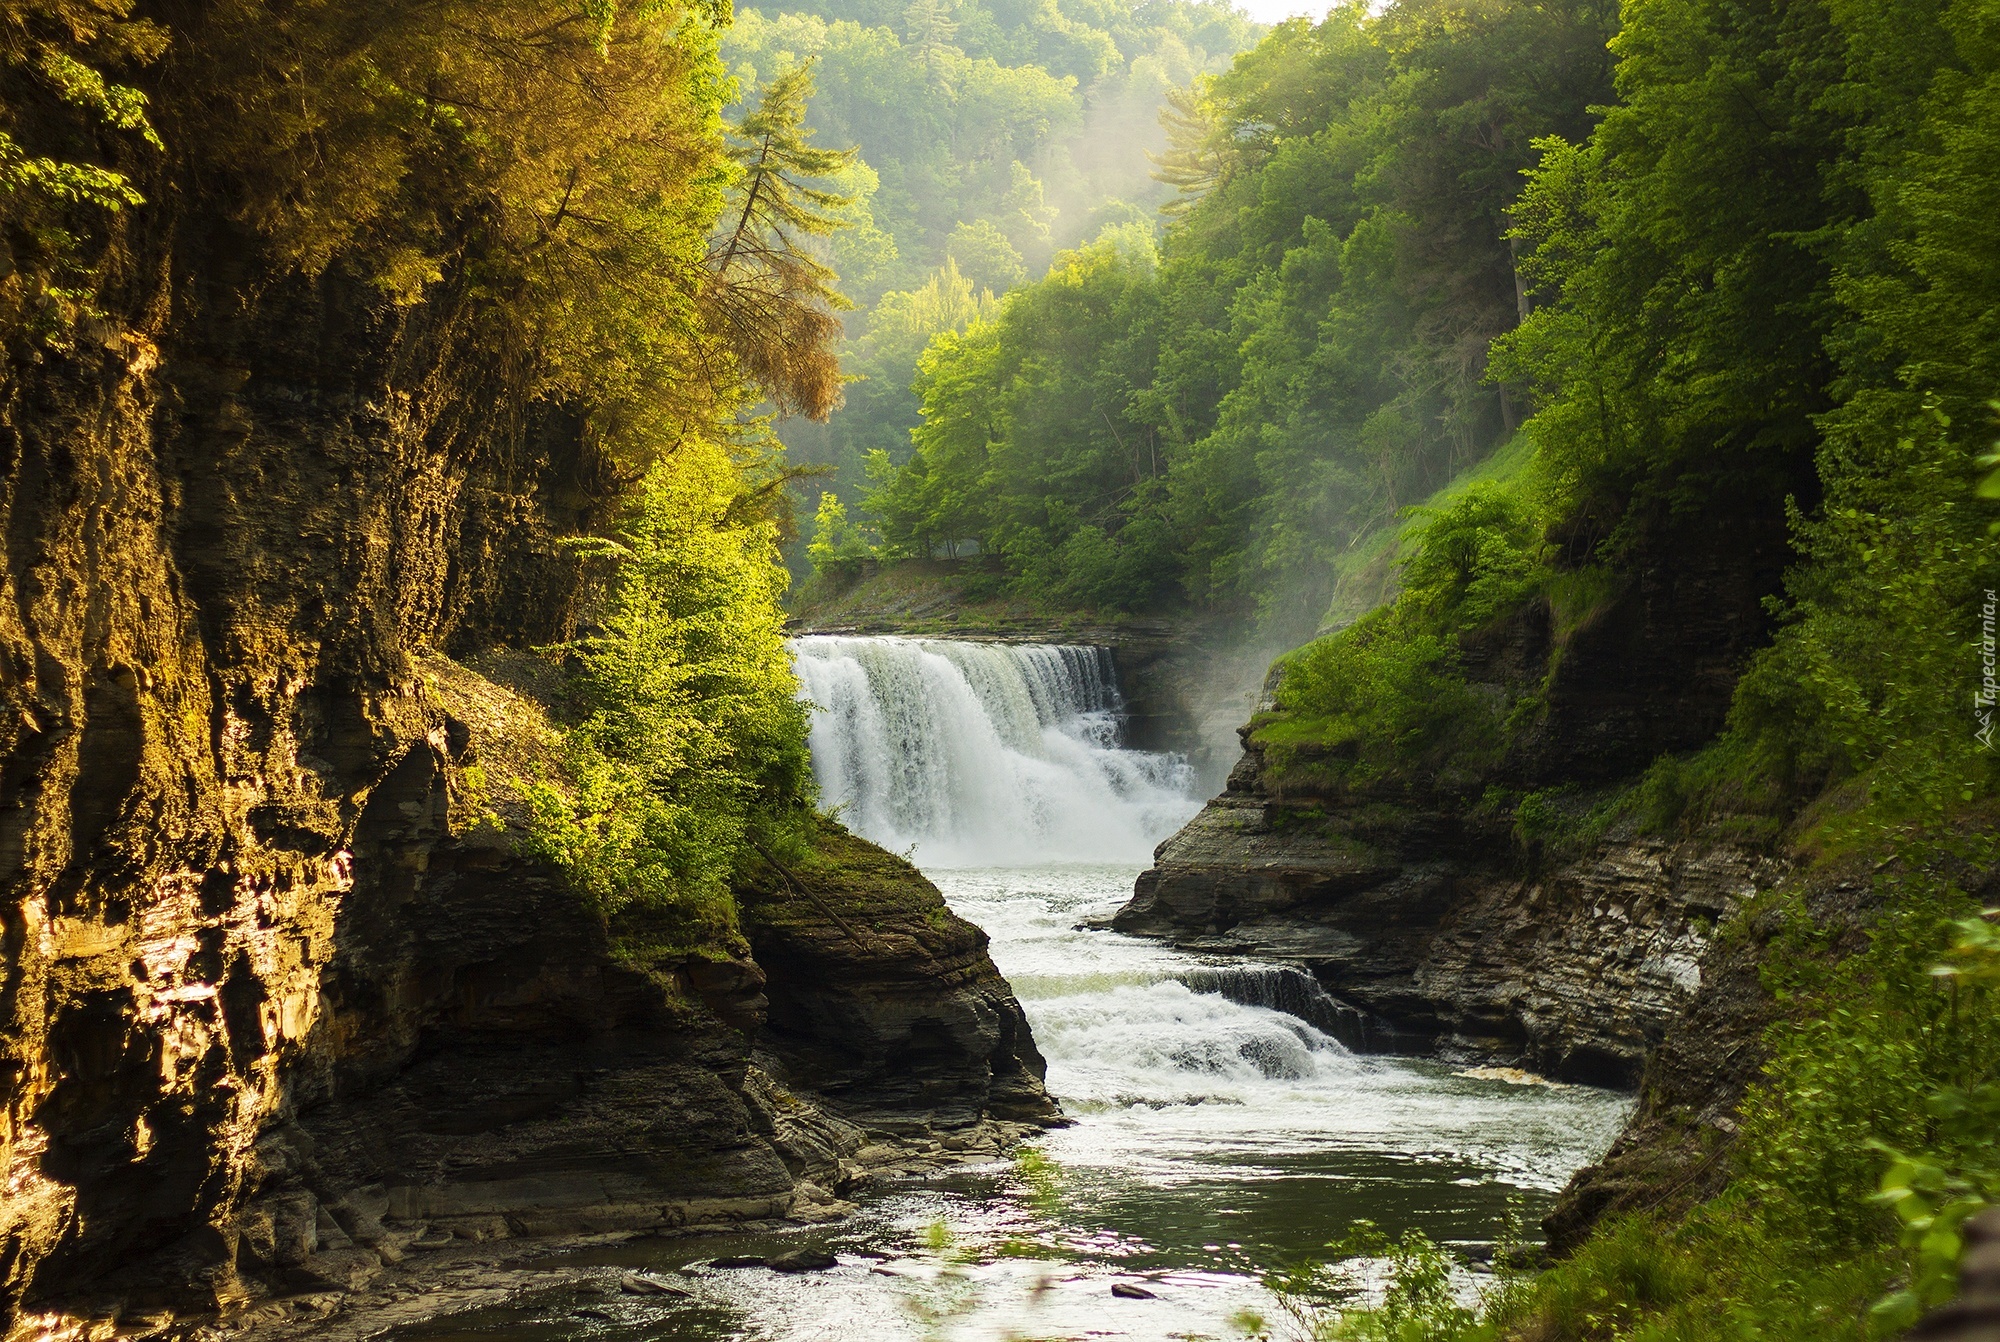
1581, 278
557, 198
990, 137
1309, 353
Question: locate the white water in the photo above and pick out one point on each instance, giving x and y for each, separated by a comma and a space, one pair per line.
1213, 1141
1215, 1137
984, 754
1171, 1083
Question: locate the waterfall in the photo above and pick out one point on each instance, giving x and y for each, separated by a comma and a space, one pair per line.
1285, 988
984, 754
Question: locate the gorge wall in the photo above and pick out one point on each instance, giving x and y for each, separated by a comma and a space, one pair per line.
279, 996
1590, 956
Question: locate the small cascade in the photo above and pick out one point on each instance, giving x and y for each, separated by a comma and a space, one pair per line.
1167, 1044
1285, 988
984, 754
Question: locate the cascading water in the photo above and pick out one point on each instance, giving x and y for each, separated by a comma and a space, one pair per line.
1221, 1127
984, 754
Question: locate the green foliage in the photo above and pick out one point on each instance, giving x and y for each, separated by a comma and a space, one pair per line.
838, 546
995, 136
1021, 120
73, 142
1420, 1293
692, 743
1307, 358
1718, 789
1384, 702
1896, 1063
1933, 1195
1417, 1301
1380, 704
1559, 821
772, 294
1018, 449
1870, 1141
547, 198
1757, 287
1739, 307
987, 257
1477, 557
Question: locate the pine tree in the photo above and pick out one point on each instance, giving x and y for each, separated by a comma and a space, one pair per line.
773, 292
929, 30
1192, 164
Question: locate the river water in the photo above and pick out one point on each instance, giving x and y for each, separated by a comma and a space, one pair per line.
1216, 1136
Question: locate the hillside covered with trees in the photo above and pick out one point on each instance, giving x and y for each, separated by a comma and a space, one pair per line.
407, 812
1529, 317
988, 138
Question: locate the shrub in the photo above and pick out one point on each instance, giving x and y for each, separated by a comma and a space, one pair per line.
1380, 701
692, 746
838, 547
1479, 556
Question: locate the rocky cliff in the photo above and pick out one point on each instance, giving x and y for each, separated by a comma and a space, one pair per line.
1432, 924
1420, 901
273, 1004
1510, 911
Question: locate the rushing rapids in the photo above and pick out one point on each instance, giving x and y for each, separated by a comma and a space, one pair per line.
1223, 1124
984, 754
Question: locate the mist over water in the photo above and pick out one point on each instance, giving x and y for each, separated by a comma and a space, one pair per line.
984, 754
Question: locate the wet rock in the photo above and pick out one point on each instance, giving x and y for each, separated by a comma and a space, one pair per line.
1430, 927
884, 999
639, 1284
282, 987
338, 1270
740, 1260
803, 1260
1127, 1291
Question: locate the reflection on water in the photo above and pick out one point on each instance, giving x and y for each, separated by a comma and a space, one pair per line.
1214, 1140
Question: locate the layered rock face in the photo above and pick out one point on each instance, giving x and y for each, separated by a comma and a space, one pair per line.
1425, 905
1419, 904
267, 992
1428, 921
884, 1001
228, 525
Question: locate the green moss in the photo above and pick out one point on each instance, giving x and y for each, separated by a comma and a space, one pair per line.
1563, 822
835, 875
1578, 596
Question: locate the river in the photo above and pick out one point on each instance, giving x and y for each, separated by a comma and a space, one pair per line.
1216, 1136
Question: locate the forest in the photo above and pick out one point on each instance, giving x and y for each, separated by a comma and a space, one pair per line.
1384, 337
1478, 306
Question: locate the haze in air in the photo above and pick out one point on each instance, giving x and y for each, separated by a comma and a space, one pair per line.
952, 670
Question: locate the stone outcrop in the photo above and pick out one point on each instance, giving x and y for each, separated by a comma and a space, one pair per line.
884, 1001
1422, 901
459, 1054
1431, 922
264, 985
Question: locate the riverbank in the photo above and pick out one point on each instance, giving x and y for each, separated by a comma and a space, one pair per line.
436, 1276
1213, 1138
461, 1051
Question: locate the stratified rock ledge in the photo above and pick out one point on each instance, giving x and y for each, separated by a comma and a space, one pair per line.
1428, 924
